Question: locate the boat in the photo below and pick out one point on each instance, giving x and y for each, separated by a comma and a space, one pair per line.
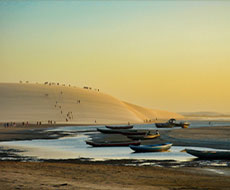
119, 127
151, 148
134, 132
172, 123
143, 137
110, 144
111, 131
122, 131
209, 155
182, 124
164, 125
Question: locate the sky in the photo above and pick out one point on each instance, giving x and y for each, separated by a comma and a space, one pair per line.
169, 55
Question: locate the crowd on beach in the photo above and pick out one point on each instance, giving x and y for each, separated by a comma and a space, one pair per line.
149, 120
27, 124
59, 84
10, 124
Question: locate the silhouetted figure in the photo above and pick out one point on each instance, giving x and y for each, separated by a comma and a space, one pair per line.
148, 133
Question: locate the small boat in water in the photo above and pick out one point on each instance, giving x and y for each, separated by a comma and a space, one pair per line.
182, 124
151, 148
110, 131
119, 127
164, 125
143, 137
210, 155
172, 123
122, 131
109, 144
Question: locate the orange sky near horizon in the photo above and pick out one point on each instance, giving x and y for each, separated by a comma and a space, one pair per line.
170, 55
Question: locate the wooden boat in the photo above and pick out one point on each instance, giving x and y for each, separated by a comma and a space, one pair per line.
109, 144
122, 131
119, 127
143, 137
209, 155
182, 124
164, 125
151, 148
111, 131
134, 132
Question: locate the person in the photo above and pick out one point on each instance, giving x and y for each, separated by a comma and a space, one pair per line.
148, 133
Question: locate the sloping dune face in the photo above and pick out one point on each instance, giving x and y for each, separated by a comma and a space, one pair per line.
152, 114
40, 102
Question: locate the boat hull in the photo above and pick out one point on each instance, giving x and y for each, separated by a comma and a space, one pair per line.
122, 131
164, 125
182, 125
151, 148
111, 144
209, 155
119, 127
142, 137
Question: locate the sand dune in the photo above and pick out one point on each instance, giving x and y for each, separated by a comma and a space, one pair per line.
39, 102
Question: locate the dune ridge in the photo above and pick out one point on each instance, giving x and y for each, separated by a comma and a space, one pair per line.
68, 104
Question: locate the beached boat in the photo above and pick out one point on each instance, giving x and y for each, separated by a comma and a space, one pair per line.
182, 124
111, 131
164, 125
209, 155
151, 148
143, 137
122, 131
119, 127
135, 132
109, 144
172, 123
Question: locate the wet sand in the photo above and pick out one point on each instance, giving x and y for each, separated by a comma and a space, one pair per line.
209, 137
18, 175
32, 131
90, 175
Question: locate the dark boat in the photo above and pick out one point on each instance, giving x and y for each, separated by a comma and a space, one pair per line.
172, 123
209, 155
119, 127
182, 124
134, 132
151, 148
122, 131
143, 137
164, 125
109, 144
111, 131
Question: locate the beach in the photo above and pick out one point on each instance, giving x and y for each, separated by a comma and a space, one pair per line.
40, 111
19, 175
85, 174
